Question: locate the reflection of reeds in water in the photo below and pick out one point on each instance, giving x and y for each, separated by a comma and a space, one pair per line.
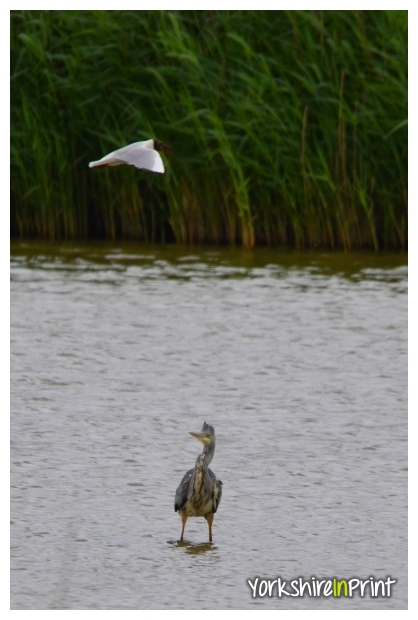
287, 127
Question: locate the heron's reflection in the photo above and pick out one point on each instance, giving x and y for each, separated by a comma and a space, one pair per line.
193, 548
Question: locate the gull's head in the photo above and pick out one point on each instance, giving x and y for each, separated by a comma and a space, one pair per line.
160, 146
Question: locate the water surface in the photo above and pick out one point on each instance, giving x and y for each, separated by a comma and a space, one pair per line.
299, 361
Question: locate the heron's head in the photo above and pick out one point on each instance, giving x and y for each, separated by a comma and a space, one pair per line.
160, 146
206, 435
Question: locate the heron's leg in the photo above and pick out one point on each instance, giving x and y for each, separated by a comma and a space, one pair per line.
183, 520
209, 519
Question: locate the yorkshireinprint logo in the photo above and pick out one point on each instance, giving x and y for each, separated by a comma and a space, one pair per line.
326, 587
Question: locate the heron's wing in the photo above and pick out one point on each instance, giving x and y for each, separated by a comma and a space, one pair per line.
141, 157
219, 494
217, 490
182, 491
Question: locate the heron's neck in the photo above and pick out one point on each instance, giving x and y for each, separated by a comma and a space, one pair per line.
208, 453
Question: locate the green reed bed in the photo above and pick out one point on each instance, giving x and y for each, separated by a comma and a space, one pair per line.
287, 127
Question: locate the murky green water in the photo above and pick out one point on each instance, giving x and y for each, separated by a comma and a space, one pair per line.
300, 363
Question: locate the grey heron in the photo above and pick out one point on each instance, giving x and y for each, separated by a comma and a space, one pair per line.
199, 493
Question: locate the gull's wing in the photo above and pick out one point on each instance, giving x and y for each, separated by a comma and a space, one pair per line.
141, 157
134, 155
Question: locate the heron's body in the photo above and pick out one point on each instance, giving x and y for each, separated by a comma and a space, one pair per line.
199, 493
143, 155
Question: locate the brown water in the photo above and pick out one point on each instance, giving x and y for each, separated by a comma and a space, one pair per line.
299, 361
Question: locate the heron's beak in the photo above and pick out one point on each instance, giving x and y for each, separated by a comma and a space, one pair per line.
202, 438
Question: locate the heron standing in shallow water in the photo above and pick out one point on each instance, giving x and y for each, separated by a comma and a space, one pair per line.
199, 493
